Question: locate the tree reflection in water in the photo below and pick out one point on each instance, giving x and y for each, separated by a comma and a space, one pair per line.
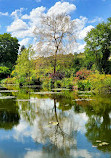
9, 115
99, 123
57, 124
42, 114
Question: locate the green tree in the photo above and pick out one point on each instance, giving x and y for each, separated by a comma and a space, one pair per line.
98, 46
24, 66
8, 50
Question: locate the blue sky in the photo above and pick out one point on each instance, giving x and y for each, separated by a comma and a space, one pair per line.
88, 12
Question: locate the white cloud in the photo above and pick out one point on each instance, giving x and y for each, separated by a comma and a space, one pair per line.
24, 42
79, 47
4, 14
17, 25
35, 13
20, 29
96, 19
83, 33
24, 25
17, 13
61, 8
80, 23
23, 34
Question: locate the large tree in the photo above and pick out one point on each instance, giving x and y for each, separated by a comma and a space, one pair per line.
24, 66
98, 46
8, 50
55, 34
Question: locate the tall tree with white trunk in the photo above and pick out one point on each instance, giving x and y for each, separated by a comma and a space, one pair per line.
55, 34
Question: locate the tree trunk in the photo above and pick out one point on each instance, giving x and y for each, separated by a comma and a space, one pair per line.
54, 65
55, 60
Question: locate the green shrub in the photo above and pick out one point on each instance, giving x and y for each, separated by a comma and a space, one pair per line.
9, 81
58, 84
100, 83
84, 85
47, 83
67, 83
4, 72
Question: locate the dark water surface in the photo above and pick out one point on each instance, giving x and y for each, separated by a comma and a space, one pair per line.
54, 125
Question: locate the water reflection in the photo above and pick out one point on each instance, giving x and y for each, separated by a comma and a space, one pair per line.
45, 113
99, 123
60, 125
58, 140
9, 115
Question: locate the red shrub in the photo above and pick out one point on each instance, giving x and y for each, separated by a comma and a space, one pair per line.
83, 74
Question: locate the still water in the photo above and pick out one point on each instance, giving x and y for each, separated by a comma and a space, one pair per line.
59, 124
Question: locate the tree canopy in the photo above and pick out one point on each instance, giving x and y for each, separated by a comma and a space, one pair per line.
98, 46
57, 35
8, 50
24, 66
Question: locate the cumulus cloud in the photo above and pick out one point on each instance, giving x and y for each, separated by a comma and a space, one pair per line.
17, 13
83, 32
17, 25
20, 29
79, 47
61, 8
24, 25
80, 23
37, 12
34, 16
23, 34
4, 14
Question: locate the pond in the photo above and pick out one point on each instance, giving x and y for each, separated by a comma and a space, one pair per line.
58, 124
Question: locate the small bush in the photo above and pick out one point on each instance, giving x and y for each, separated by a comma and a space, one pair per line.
84, 85
4, 72
83, 74
67, 83
58, 84
9, 81
47, 83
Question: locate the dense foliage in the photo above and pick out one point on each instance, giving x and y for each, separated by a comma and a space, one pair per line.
4, 71
8, 50
98, 47
24, 66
